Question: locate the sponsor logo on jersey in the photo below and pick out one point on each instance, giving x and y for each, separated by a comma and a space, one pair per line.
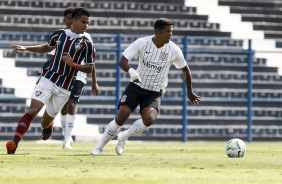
152, 66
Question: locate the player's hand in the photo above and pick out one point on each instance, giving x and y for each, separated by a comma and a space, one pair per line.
195, 99
134, 75
67, 59
17, 48
95, 88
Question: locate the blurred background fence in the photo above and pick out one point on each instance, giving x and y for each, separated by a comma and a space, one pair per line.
235, 69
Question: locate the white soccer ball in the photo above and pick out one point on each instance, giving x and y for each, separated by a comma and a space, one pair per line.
235, 148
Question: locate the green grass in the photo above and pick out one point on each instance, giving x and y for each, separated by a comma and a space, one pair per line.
141, 163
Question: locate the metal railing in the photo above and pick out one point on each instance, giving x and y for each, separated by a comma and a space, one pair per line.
118, 48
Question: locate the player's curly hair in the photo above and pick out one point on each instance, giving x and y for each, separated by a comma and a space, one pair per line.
162, 22
79, 11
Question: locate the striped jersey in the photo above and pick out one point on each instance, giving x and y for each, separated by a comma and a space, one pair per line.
154, 63
79, 46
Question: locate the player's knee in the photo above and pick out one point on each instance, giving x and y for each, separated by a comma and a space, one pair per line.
149, 116
148, 120
33, 111
120, 120
71, 104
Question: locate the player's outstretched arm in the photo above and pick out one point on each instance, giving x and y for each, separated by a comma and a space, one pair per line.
36, 48
194, 98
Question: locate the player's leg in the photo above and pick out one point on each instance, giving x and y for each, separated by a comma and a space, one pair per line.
47, 123
70, 117
150, 114
53, 107
70, 121
23, 125
63, 118
127, 104
149, 111
112, 129
40, 95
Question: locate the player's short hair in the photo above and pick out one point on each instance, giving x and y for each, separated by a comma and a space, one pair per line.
162, 22
78, 12
68, 10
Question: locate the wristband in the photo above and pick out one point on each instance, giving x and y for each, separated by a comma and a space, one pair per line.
74, 65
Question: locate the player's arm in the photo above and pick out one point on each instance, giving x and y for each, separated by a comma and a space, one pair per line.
83, 68
123, 63
95, 87
36, 48
195, 99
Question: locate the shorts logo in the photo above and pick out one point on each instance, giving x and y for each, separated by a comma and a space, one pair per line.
38, 93
123, 98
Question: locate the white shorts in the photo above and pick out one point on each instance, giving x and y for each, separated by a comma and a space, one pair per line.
53, 96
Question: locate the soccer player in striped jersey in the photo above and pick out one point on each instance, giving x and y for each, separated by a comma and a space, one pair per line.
56, 82
148, 82
68, 111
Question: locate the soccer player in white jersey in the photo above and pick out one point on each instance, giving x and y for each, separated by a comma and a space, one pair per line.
68, 111
56, 82
148, 82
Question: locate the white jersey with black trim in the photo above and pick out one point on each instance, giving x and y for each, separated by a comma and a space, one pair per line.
81, 76
154, 63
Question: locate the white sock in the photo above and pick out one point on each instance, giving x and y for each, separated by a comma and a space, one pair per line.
136, 128
70, 120
63, 123
110, 132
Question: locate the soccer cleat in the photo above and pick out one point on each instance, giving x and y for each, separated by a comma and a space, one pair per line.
67, 146
11, 147
96, 151
71, 140
47, 132
120, 144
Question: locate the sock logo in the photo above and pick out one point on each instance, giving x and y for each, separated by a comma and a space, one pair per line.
110, 133
22, 124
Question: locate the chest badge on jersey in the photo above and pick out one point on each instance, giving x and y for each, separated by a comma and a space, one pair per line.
58, 42
163, 56
77, 46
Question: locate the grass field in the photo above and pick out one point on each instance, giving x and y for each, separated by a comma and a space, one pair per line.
141, 163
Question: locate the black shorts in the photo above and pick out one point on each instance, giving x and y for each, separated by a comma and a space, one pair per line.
134, 95
76, 90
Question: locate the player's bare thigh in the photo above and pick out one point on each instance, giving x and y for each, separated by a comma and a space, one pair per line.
123, 114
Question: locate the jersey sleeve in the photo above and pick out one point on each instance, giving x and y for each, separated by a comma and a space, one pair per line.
54, 37
179, 60
132, 50
90, 54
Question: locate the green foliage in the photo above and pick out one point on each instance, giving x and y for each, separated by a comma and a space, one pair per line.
141, 163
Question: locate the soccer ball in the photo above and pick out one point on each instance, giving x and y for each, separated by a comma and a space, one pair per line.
235, 148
